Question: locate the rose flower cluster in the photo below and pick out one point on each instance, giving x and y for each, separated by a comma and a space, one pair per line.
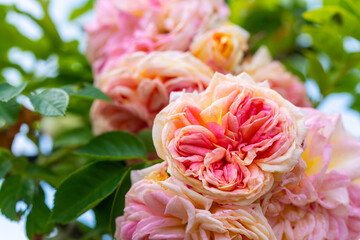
142, 50
245, 157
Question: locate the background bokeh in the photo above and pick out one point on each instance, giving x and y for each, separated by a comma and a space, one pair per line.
43, 44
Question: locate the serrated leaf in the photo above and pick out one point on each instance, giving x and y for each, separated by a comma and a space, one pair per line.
88, 91
7, 92
9, 111
114, 146
85, 188
51, 102
37, 220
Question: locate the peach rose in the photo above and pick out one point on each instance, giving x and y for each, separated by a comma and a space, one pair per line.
261, 68
319, 199
158, 207
127, 26
230, 141
221, 48
140, 86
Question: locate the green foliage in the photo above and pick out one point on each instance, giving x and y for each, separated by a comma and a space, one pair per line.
338, 17
51, 102
9, 112
85, 188
275, 24
15, 188
5, 166
73, 137
38, 219
78, 12
300, 38
7, 92
118, 204
329, 26
88, 91
146, 137
115, 146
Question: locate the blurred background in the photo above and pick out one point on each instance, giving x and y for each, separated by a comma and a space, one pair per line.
43, 46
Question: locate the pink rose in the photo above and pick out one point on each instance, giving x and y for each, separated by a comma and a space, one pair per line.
261, 68
160, 208
128, 26
140, 86
319, 198
353, 221
221, 48
230, 141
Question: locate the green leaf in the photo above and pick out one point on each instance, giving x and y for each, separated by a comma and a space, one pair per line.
5, 162
85, 188
356, 103
14, 189
5, 166
88, 91
114, 146
73, 137
326, 39
88, 5
102, 213
51, 102
350, 5
8, 92
20, 165
10, 193
9, 111
118, 204
79, 106
146, 137
27, 191
316, 71
348, 82
37, 220
335, 16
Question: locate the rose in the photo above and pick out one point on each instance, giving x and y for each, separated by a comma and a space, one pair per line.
261, 68
308, 211
140, 86
230, 141
127, 26
327, 129
158, 207
221, 48
353, 221
320, 193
